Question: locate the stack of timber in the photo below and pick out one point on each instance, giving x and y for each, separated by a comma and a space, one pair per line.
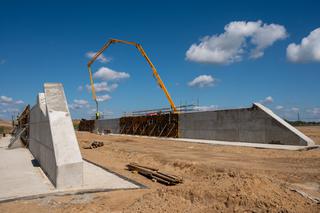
86, 125
94, 144
154, 174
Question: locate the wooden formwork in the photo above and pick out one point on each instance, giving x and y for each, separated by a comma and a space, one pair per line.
21, 127
159, 125
86, 125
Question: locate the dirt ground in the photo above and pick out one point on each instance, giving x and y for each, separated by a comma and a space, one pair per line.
312, 131
216, 178
5, 125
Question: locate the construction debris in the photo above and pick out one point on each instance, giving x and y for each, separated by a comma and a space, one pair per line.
154, 174
94, 145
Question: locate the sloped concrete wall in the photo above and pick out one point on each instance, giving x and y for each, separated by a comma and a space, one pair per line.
52, 138
257, 124
108, 124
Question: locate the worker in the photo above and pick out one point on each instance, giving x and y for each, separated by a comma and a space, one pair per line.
97, 115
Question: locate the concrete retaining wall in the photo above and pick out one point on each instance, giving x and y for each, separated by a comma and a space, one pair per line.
257, 124
112, 125
52, 138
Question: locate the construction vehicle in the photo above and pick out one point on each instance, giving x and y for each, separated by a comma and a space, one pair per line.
143, 53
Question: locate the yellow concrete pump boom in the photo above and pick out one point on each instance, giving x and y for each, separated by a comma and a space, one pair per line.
143, 53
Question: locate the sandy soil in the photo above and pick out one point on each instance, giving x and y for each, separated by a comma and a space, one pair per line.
6, 125
312, 131
216, 178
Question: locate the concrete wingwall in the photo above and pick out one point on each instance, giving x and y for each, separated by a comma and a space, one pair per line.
257, 124
52, 138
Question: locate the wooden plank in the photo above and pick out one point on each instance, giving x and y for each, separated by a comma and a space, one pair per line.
155, 175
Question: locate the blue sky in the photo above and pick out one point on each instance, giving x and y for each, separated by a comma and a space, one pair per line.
240, 54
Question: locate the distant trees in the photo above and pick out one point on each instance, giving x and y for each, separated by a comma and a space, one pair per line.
303, 123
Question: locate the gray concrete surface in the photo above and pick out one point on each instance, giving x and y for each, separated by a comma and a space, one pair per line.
20, 179
112, 125
257, 124
52, 138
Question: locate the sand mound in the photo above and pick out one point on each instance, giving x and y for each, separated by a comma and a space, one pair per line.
212, 190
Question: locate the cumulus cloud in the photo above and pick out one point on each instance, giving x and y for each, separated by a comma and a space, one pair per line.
295, 109
19, 102
101, 58
9, 106
79, 104
240, 38
316, 111
10, 110
205, 108
267, 100
107, 74
103, 87
13, 110
202, 81
279, 107
5, 99
307, 51
103, 98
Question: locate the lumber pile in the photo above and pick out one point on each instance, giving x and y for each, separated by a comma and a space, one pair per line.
94, 145
154, 174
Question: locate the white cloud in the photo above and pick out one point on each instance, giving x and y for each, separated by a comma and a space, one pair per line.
316, 111
202, 81
10, 110
6, 99
267, 100
235, 42
9, 106
79, 104
103, 98
91, 111
279, 107
308, 50
13, 110
103, 87
106, 74
101, 58
205, 108
19, 102
295, 109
